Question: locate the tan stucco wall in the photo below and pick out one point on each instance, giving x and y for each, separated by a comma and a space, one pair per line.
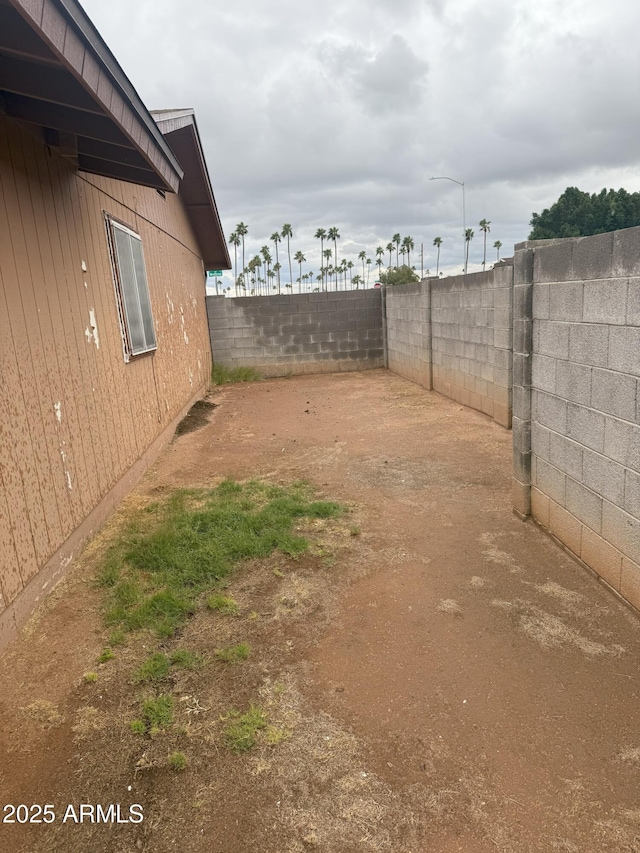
74, 417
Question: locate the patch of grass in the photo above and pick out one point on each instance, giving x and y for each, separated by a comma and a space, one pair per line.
159, 567
275, 735
157, 667
90, 677
117, 638
105, 655
138, 727
233, 654
184, 659
177, 761
157, 714
223, 604
355, 531
241, 730
154, 668
225, 375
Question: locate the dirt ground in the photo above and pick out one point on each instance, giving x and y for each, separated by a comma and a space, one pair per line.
438, 675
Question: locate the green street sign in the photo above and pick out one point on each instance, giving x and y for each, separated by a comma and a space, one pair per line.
212, 273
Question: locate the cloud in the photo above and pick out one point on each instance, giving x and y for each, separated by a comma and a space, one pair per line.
339, 113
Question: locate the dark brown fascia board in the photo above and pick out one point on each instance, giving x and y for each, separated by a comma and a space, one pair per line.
103, 78
202, 212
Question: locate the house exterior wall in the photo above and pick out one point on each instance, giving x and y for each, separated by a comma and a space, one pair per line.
577, 398
77, 423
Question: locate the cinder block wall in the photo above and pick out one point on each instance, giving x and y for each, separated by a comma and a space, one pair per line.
472, 340
408, 331
298, 333
577, 410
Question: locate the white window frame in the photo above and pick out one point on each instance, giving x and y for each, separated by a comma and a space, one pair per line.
132, 291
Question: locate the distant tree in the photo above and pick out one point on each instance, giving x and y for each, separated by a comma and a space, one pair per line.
320, 235
362, 257
334, 234
368, 270
300, 258
242, 231
275, 239
497, 246
484, 227
578, 214
234, 240
328, 253
356, 280
409, 245
468, 237
399, 275
288, 233
350, 267
390, 248
437, 242
397, 239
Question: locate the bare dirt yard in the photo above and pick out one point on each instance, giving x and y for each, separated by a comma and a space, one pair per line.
431, 674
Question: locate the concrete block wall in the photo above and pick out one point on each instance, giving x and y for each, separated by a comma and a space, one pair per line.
408, 331
298, 333
577, 398
471, 340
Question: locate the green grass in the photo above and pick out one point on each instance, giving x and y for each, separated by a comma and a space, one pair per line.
233, 654
241, 730
157, 667
225, 375
223, 604
157, 714
177, 761
164, 561
105, 655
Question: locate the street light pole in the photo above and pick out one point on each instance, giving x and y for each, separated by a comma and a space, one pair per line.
464, 219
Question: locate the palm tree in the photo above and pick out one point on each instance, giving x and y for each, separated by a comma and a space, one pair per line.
484, 227
362, 255
275, 239
241, 231
350, 267
497, 245
356, 281
390, 248
333, 234
276, 268
397, 239
437, 241
287, 232
266, 254
408, 244
403, 252
327, 257
468, 237
379, 253
300, 258
368, 270
234, 240
320, 235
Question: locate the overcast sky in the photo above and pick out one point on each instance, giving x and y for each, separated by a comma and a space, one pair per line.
338, 113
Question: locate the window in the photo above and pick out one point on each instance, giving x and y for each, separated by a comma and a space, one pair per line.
132, 290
